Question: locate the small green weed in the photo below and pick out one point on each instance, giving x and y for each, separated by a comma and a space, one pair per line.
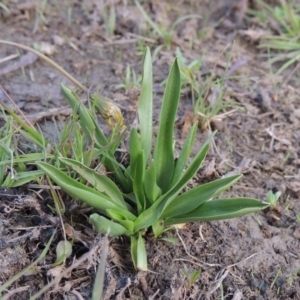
273, 198
278, 273
108, 13
189, 73
131, 79
191, 276
4, 7
165, 34
40, 10
285, 19
13, 171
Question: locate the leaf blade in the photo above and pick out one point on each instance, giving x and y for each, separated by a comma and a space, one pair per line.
77, 190
163, 152
100, 182
153, 213
220, 209
106, 226
145, 106
184, 154
196, 196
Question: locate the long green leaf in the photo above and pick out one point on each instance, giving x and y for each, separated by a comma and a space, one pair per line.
193, 198
135, 149
105, 226
152, 190
86, 120
133, 250
28, 131
191, 170
120, 218
34, 136
149, 20
184, 154
152, 214
27, 158
5, 153
145, 106
141, 254
138, 253
138, 186
220, 209
163, 153
100, 182
115, 169
22, 178
94, 133
77, 190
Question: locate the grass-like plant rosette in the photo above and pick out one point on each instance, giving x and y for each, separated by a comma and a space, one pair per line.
147, 193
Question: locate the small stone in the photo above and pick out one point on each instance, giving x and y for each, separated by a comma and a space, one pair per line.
296, 234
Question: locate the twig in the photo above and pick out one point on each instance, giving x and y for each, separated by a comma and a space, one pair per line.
7, 58
270, 131
25, 60
218, 283
77, 294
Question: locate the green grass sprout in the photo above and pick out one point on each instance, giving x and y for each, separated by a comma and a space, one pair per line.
285, 17
272, 198
166, 34
131, 79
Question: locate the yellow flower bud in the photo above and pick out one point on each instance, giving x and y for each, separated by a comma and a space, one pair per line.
109, 111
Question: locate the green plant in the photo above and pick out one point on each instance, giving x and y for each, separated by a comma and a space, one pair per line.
13, 171
205, 111
40, 15
147, 192
278, 273
273, 198
191, 277
215, 109
131, 79
291, 280
109, 17
189, 73
6, 134
286, 19
4, 7
72, 138
165, 34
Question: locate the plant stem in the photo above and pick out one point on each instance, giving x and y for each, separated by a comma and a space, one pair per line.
48, 60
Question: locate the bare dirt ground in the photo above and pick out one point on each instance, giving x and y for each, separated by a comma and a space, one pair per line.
252, 257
